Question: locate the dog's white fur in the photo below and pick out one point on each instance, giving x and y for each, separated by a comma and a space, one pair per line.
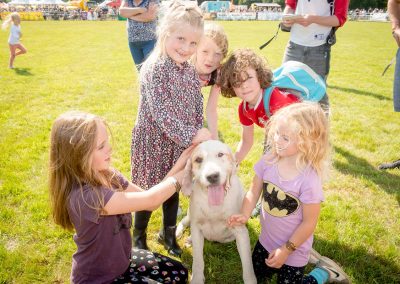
214, 158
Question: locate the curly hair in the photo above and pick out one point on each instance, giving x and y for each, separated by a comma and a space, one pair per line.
311, 126
233, 71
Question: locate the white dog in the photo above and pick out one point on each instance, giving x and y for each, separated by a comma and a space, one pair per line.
216, 193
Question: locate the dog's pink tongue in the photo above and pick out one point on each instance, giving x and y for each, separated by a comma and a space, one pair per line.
215, 195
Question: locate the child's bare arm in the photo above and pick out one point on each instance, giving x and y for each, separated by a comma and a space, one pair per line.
124, 202
307, 227
127, 12
249, 202
211, 111
245, 143
310, 218
148, 16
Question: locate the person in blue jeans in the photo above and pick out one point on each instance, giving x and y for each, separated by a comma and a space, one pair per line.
394, 14
141, 27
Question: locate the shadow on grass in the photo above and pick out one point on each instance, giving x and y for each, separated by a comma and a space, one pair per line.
361, 265
23, 71
359, 92
360, 167
222, 262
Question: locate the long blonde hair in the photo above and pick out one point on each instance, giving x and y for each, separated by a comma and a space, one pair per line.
177, 15
311, 126
13, 17
73, 140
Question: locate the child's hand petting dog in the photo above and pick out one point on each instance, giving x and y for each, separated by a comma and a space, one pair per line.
202, 135
237, 220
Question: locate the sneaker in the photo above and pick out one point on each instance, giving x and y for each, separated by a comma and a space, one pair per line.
256, 211
314, 257
385, 166
336, 273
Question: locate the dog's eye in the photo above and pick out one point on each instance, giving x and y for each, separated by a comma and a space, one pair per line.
220, 154
199, 160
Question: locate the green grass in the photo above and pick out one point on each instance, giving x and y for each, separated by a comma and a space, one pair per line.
87, 66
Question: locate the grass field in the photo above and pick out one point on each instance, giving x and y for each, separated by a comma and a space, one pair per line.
87, 66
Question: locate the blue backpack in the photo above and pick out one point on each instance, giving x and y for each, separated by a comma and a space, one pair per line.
299, 78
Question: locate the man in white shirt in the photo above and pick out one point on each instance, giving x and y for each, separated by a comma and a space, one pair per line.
309, 37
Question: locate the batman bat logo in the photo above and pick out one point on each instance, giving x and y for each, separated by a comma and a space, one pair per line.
278, 203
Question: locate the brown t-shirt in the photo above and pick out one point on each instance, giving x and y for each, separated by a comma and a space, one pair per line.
103, 242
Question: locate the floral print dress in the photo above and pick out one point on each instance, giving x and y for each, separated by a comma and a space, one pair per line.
169, 116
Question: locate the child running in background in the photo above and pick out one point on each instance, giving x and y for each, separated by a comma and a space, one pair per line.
95, 200
212, 49
289, 180
246, 75
170, 114
16, 47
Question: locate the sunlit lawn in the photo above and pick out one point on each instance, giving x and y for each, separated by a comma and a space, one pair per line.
87, 66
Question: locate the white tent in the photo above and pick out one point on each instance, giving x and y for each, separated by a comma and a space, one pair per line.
52, 2
19, 2
37, 2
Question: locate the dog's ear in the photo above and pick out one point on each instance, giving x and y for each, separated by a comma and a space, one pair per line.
233, 162
187, 179
233, 168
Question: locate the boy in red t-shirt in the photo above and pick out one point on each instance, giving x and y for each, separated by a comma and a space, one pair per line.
246, 75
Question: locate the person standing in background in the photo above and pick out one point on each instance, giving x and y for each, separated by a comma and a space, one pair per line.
394, 15
16, 47
141, 27
312, 34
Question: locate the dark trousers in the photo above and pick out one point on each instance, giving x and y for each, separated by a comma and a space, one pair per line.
286, 274
170, 211
317, 58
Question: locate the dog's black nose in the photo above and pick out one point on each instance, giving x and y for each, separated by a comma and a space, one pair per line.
213, 178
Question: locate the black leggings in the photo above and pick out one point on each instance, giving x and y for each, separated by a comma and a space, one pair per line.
145, 264
286, 274
170, 211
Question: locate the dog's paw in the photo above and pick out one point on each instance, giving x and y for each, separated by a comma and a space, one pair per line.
197, 279
179, 230
250, 279
188, 242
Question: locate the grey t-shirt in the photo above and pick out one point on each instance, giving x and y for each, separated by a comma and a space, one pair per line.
103, 242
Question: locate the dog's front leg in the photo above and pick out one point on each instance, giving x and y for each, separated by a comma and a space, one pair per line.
198, 260
243, 245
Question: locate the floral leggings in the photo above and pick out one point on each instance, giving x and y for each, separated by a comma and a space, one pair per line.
286, 274
150, 265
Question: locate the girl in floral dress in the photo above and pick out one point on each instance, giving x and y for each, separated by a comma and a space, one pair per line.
170, 115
